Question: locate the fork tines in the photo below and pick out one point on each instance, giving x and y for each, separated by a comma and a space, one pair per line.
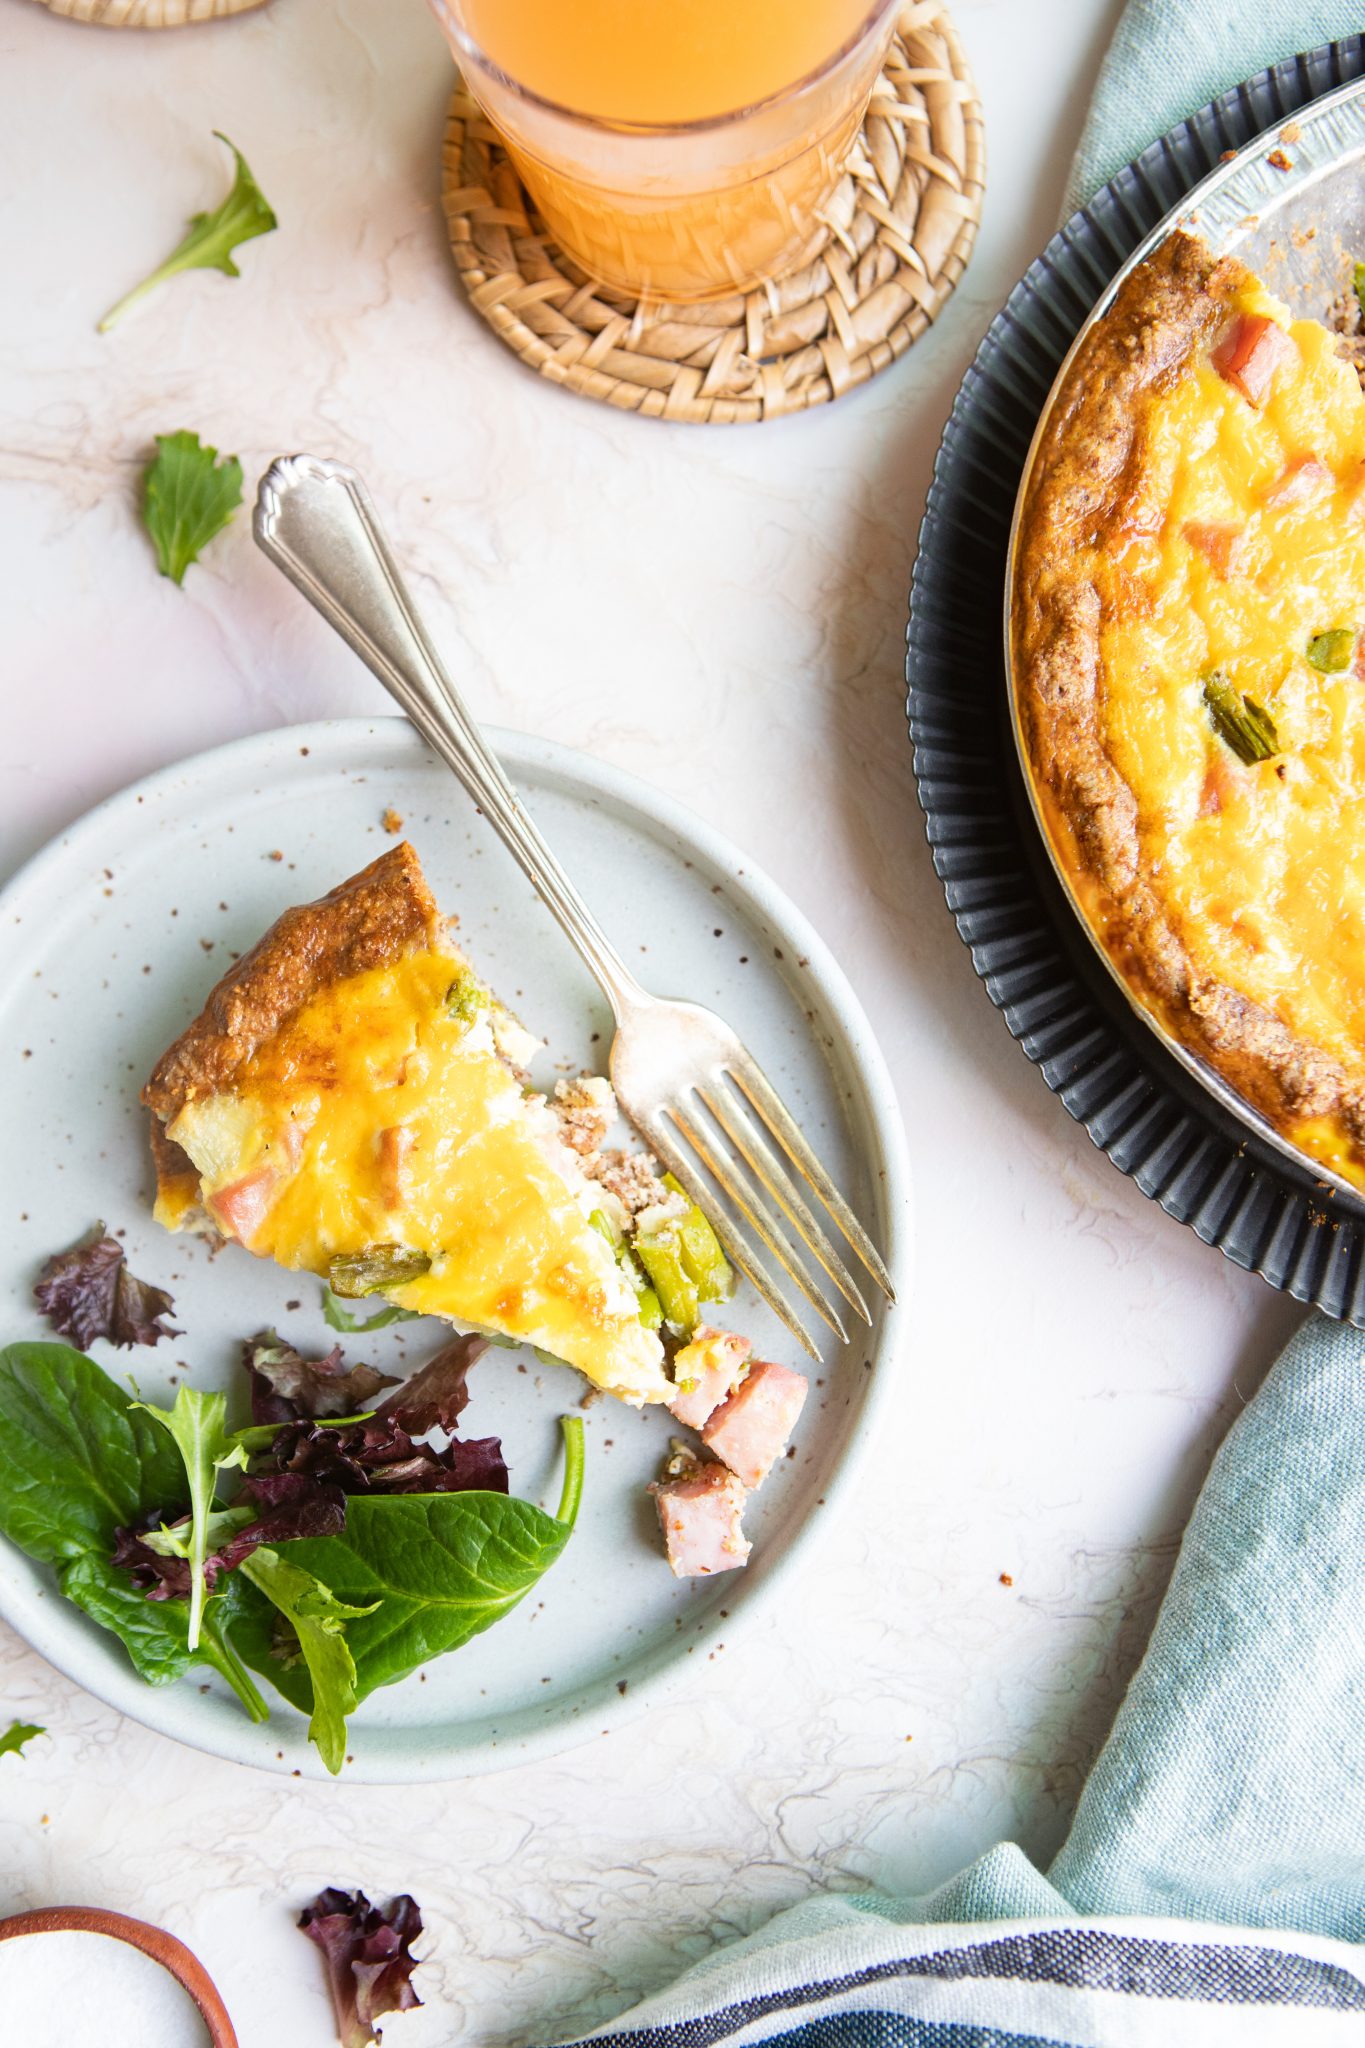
715, 1127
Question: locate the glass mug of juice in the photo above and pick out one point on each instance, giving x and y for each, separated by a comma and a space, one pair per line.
677, 149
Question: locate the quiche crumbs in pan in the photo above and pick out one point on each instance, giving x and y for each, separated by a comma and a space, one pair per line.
1188, 649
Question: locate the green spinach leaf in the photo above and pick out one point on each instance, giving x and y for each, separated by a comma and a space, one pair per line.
76, 1459
155, 1633
198, 1424
318, 1620
339, 1317
434, 1570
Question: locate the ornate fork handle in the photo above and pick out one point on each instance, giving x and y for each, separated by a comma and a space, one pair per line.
316, 521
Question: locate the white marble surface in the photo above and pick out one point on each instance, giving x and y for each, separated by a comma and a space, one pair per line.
689, 604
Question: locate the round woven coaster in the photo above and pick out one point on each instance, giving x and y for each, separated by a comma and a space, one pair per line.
899, 228
147, 13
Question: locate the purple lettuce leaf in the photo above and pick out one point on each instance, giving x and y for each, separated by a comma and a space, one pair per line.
160, 1578
381, 1456
88, 1292
437, 1395
291, 1504
287, 1387
368, 1956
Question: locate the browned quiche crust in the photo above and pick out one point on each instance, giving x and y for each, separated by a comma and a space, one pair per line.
378, 916
1084, 494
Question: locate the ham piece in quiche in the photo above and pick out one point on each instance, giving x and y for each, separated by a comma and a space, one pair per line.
749, 1431
1249, 352
705, 1371
699, 1513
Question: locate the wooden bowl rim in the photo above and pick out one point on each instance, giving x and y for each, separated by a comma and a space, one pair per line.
163, 1948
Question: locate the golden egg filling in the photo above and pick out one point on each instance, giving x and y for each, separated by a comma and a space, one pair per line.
350, 1104
1188, 643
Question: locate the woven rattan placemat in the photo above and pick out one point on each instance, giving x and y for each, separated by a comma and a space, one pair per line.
148, 13
901, 224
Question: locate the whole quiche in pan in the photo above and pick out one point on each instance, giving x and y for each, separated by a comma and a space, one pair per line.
1188, 653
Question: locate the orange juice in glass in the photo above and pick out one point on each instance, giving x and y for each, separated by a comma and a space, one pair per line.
678, 149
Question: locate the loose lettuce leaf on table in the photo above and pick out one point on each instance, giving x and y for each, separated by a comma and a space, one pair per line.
369, 1958
16, 1735
78, 1461
188, 496
88, 1292
244, 214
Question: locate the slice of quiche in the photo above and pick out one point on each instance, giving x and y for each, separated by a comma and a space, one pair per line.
350, 1103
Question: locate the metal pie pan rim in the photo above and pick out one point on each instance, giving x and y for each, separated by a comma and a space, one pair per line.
1238, 169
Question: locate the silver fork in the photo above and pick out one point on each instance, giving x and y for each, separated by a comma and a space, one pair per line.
680, 1073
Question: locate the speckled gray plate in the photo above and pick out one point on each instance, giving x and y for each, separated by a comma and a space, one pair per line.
1160, 1123
109, 941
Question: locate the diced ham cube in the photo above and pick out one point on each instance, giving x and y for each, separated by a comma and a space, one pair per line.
699, 1514
1354, 484
395, 1149
705, 1371
750, 1430
1220, 783
1219, 543
1248, 353
1300, 481
240, 1209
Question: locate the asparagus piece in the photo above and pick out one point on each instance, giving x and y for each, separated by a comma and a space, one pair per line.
1243, 724
379, 1266
1331, 652
703, 1260
661, 1256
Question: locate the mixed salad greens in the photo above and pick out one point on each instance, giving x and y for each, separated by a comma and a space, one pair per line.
338, 1542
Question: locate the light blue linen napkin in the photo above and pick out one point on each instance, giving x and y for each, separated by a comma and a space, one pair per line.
1169, 57
1212, 1889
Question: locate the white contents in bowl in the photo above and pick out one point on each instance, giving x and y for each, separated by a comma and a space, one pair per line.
77, 1990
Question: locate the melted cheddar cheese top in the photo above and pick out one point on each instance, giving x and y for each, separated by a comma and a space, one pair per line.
377, 1116
1242, 540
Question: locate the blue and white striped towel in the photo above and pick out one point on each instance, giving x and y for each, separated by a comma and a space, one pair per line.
1212, 1891
1014, 1984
